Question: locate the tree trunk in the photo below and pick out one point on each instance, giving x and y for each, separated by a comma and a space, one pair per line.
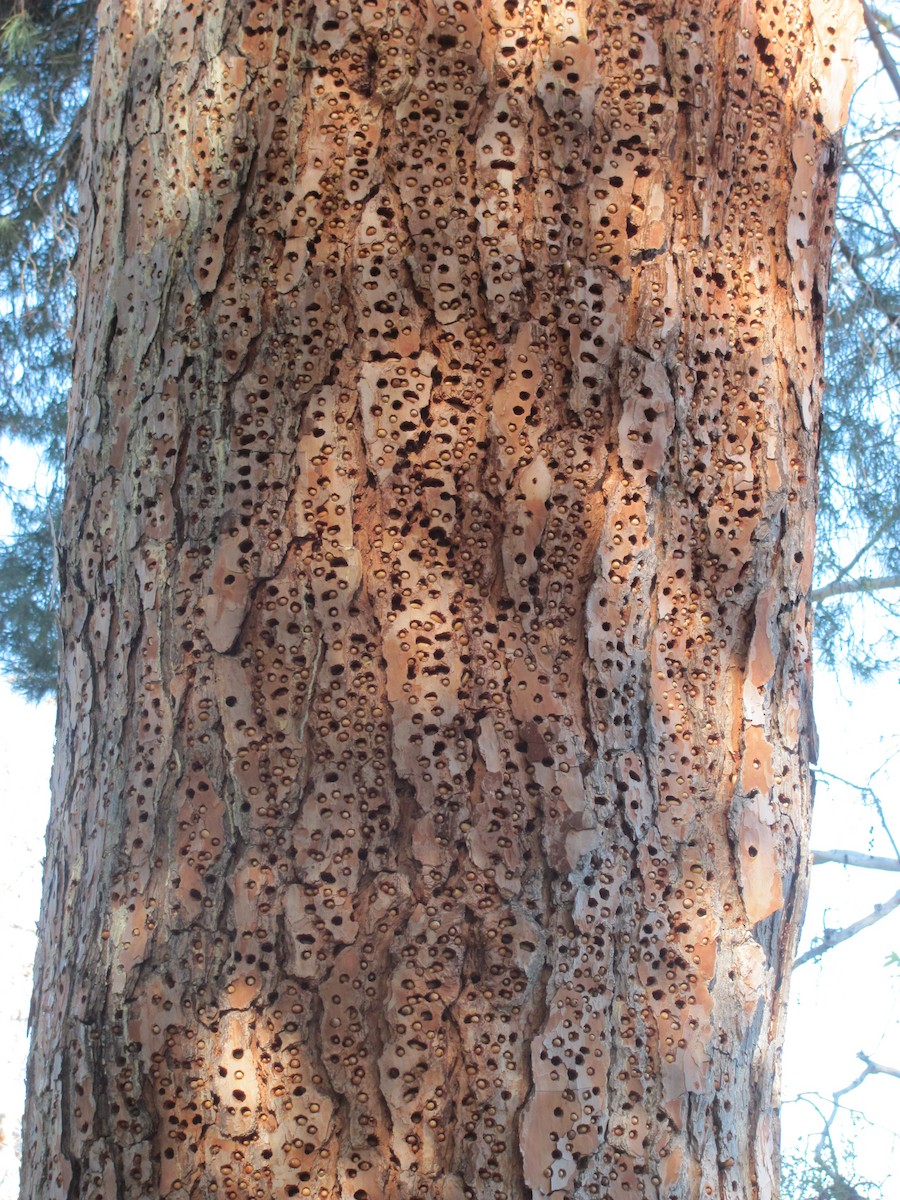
431, 795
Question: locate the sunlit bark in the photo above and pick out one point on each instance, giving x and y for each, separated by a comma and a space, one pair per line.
431, 793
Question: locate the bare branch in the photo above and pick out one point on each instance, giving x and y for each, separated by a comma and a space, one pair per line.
834, 937
884, 20
853, 262
868, 794
853, 858
885, 525
847, 587
875, 1068
851, 1087
884, 54
871, 1068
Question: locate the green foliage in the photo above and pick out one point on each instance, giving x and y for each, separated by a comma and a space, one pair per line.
28, 611
19, 34
45, 51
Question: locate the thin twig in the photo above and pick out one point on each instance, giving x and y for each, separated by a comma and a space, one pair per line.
853, 262
834, 937
868, 793
870, 1068
887, 24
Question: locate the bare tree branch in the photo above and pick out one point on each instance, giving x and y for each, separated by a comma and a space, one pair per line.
869, 795
885, 525
871, 1068
846, 587
834, 937
825, 1157
874, 1068
884, 54
853, 262
884, 21
853, 858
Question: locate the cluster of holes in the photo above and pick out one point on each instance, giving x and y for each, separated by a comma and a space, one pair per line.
484, 402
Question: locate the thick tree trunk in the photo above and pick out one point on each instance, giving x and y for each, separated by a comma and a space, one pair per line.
431, 792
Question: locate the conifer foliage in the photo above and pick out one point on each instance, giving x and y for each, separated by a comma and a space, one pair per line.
45, 52
858, 549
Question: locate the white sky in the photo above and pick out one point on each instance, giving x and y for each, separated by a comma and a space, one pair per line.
848, 1001
25, 755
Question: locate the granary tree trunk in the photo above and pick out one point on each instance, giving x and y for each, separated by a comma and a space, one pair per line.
431, 790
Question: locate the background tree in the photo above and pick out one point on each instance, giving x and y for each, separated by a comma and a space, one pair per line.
857, 589
858, 546
45, 51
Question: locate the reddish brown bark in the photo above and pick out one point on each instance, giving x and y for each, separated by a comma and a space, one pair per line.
431, 793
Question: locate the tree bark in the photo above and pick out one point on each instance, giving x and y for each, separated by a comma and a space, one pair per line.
431, 795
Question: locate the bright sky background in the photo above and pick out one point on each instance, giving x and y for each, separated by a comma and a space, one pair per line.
25, 755
848, 1001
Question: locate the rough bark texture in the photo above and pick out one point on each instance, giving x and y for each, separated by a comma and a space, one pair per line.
431, 794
